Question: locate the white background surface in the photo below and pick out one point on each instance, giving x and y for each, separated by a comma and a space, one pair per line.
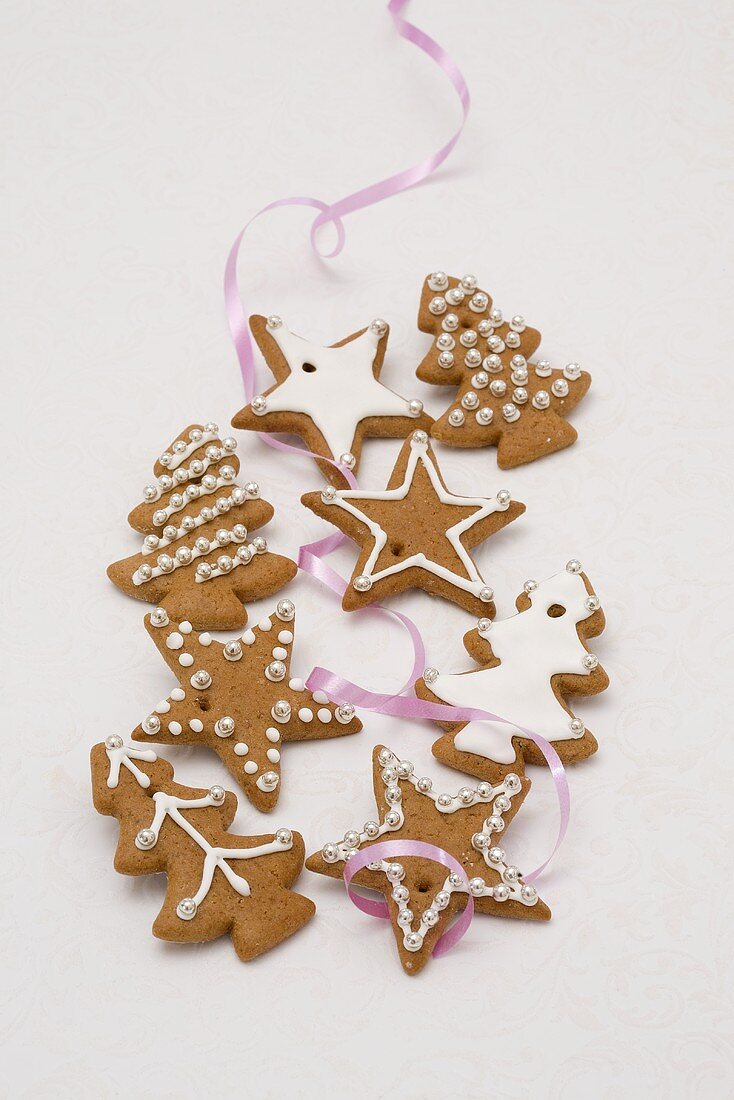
590, 192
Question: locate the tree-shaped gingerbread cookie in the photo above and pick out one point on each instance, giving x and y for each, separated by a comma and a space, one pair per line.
240, 699
421, 896
503, 399
198, 559
218, 883
530, 663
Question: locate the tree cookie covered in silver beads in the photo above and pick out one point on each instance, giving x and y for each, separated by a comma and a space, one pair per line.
330, 396
503, 398
240, 699
422, 895
199, 559
218, 883
530, 663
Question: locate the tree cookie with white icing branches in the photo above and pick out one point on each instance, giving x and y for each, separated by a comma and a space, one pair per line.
218, 883
422, 895
531, 663
416, 533
199, 560
240, 700
504, 400
332, 397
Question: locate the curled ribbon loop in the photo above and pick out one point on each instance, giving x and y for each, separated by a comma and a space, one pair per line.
388, 849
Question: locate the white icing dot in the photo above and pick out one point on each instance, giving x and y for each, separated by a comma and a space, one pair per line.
185, 627
174, 641
196, 725
297, 685
178, 694
265, 624
285, 637
249, 637
175, 728
320, 697
324, 715
163, 707
273, 756
241, 748
186, 659
267, 786
272, 734
250, 767
205, 639
279, 653
305, 714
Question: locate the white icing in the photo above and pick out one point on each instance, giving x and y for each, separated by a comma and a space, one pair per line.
285, 637
125, 757
532, 647
191, 445
198, 521
178, 694
272, 734
236, 563
174, 640
186, 659
214, 544
323, 715
196, 725
251, 767
206, 462
305, 714
340, 393
473, 582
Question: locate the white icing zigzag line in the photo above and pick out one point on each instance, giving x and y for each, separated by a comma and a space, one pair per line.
231, 501
510, 888
172, 459
176, 563
162, 515
152, 493
485, 507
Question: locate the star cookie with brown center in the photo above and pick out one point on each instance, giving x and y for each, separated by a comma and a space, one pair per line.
416, 533
503, 400
240, 700
421, 895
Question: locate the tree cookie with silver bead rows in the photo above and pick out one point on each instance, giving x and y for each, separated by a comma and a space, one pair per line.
199, 560
421, 895
331, 397
240, 700
530, 663
218, 883
503, 399
416, 533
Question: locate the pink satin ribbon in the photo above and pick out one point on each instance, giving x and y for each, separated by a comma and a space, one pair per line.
387, 849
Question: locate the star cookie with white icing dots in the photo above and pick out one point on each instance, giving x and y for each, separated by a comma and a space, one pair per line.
416, 533
331, 396
199, 559
240, 700
530, 663
504, 399
218, 883
422, 895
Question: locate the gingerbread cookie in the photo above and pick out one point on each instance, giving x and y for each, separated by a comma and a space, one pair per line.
530, 663
198, 559
332, 397
218, 883
416, 533
503, 400
421, 897
240, 700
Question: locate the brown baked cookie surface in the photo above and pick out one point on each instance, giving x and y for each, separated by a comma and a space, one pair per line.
331, 397
416, 533
198, 559
422, 895
530, 663
503, 399
240, 700
218, 883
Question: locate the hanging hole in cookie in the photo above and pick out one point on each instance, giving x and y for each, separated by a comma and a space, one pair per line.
556, 610
423, 887
308, 368
203, 702
397, 549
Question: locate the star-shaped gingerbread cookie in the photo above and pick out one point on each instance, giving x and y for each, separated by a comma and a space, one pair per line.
420, 894
331, 396
240, 700
530, 663
416, 533
504, 400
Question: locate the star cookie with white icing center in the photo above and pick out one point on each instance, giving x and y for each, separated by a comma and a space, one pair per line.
530, 663
504, 399
422, 896
240, 700
218, 883
416, 533
331, 396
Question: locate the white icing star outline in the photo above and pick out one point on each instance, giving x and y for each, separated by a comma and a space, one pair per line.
485, 507
339, 392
